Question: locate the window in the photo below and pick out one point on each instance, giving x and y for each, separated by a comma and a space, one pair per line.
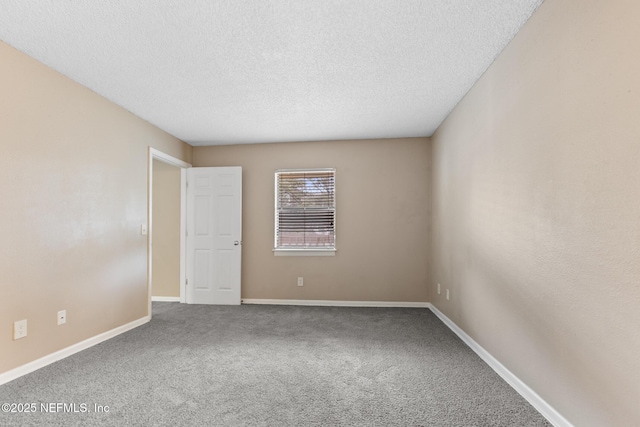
305, 212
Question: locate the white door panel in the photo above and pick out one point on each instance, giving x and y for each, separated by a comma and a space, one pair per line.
214, 235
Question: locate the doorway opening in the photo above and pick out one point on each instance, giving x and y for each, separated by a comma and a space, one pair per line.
169, 209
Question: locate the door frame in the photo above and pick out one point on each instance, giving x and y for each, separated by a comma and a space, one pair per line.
155, 154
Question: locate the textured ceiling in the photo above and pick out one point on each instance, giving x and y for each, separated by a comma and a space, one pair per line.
245, 71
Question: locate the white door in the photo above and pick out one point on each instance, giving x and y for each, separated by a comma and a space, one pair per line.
214, 235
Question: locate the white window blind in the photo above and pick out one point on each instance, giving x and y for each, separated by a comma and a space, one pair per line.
305, 209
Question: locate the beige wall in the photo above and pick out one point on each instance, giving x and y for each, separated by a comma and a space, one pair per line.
166, 230
536, 209
381, 224
74, 193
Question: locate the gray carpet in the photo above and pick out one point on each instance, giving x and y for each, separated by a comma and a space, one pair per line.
275, 366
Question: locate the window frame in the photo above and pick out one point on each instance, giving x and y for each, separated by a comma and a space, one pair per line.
303, 251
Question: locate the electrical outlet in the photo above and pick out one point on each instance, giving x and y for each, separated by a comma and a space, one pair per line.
438, 288
62, 317
19, 329
300, 281
447, 293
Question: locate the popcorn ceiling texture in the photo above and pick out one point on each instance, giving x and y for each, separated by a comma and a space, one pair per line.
262, 71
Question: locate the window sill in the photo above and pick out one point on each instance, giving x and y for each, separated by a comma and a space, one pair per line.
304, 252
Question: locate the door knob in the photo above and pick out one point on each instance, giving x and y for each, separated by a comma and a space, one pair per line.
236, 243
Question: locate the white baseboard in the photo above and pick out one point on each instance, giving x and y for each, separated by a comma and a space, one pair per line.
524, 390
165, 299
66, 352
332, 303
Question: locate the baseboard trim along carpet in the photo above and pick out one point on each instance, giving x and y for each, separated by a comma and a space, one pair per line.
66, 352
165, 299
518, 385
332, 303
